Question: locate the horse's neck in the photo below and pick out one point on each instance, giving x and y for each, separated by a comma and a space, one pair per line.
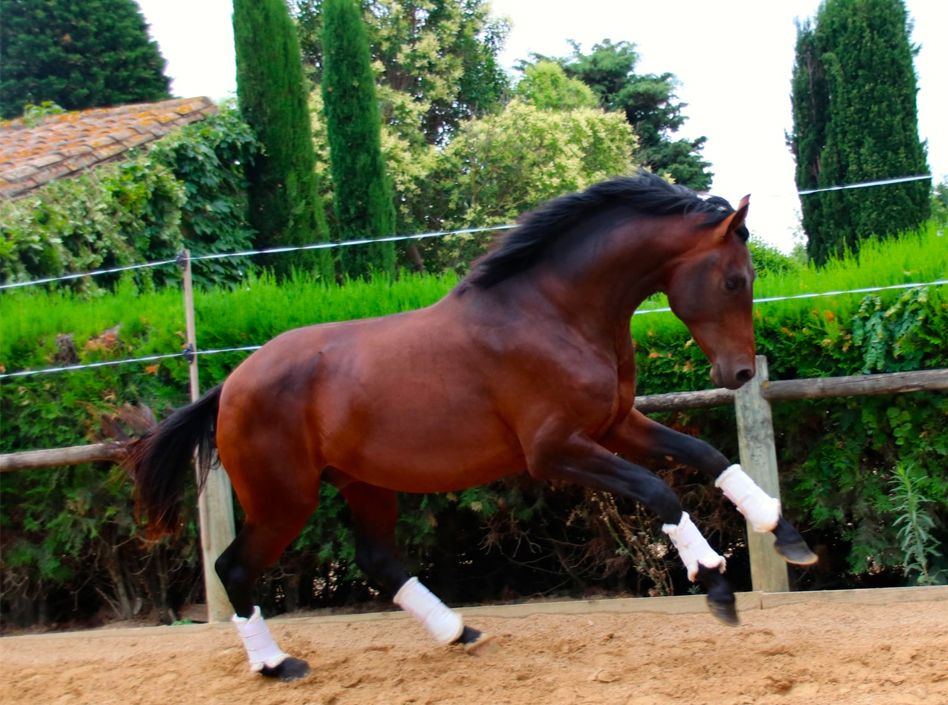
605, 284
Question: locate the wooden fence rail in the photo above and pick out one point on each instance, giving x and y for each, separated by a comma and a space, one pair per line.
754, 427
776, 390
813, 388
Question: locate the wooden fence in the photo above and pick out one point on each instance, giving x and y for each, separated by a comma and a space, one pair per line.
755, 431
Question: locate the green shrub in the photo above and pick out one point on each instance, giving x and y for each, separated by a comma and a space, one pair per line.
208, 158
188, 190
113, 216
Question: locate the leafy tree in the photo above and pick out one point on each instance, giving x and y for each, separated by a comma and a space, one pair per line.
77, 54
363, 194
285, 207
436, 64
855, 120
545, 85
497, 167
649, 103
502, 165
436, 60
940, 203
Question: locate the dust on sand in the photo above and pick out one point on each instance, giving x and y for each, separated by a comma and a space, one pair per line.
822, 652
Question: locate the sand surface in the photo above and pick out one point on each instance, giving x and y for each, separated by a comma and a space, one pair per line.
821, 652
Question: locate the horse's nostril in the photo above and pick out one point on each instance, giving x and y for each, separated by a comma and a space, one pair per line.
745, 375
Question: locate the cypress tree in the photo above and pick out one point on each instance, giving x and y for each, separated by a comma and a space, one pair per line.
855, 120
78, 54
285, 207
362, 198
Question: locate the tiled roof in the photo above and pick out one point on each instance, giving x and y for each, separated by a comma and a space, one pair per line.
66, 144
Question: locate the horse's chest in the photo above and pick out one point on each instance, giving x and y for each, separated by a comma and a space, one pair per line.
600, 401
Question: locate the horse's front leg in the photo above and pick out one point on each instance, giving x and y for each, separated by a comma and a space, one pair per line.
639, 438
578, 459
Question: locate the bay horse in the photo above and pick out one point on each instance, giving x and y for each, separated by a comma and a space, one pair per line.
527, 365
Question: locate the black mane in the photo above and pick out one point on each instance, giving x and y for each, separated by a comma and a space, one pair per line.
538, 230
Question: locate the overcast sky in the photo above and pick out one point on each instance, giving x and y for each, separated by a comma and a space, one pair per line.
733, 60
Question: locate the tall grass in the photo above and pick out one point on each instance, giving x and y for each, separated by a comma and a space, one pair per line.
30, 320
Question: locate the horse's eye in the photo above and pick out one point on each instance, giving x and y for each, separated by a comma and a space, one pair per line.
735, 283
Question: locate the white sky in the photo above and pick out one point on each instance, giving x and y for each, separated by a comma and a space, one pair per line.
733, 59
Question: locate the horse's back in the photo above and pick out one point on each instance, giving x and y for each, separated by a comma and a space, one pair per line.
401, 402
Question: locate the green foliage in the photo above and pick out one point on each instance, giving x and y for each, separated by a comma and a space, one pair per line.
437, 61
940, 203
915, 525
888, 335
855, 120
77, 54
546, 86
112, 216
768, 260
186, 191
649, 104
208, 158
495, 168
34, 115
362, 190
285, 208
503, 165
436, 65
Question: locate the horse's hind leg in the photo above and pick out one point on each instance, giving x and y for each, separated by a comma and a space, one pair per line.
374, 514
261, 540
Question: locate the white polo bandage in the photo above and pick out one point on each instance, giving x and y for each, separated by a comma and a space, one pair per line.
759, 508
444, 624
693, 547
261, 649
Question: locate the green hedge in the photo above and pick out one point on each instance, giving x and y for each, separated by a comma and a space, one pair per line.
864, 478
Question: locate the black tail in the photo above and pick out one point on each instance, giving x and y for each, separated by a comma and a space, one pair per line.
160, 460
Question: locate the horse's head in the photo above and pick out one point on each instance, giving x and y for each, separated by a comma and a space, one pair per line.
711, 290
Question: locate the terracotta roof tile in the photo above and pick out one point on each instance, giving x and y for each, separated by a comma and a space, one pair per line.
66, 144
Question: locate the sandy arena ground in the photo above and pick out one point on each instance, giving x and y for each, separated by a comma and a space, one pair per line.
839, 652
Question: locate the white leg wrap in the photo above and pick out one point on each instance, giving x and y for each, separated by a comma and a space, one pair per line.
261, 649
444, 624
693, 547
759, 508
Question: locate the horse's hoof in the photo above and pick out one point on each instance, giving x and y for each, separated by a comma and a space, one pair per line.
797, 553
291, 669
726, 612
721, 600
473, 640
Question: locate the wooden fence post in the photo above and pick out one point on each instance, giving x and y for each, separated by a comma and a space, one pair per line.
215, 503
755, 435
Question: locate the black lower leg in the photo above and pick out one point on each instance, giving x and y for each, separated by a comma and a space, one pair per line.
236, 579
378, 561
238, 576
721, 600
691, 451
791, 545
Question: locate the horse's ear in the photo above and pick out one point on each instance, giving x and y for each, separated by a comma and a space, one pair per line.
736, 219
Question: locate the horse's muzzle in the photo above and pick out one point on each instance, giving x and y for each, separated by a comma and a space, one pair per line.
733, 376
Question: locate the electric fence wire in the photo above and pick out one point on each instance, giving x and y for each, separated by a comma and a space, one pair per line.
253, 253
367, 241
187, 353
